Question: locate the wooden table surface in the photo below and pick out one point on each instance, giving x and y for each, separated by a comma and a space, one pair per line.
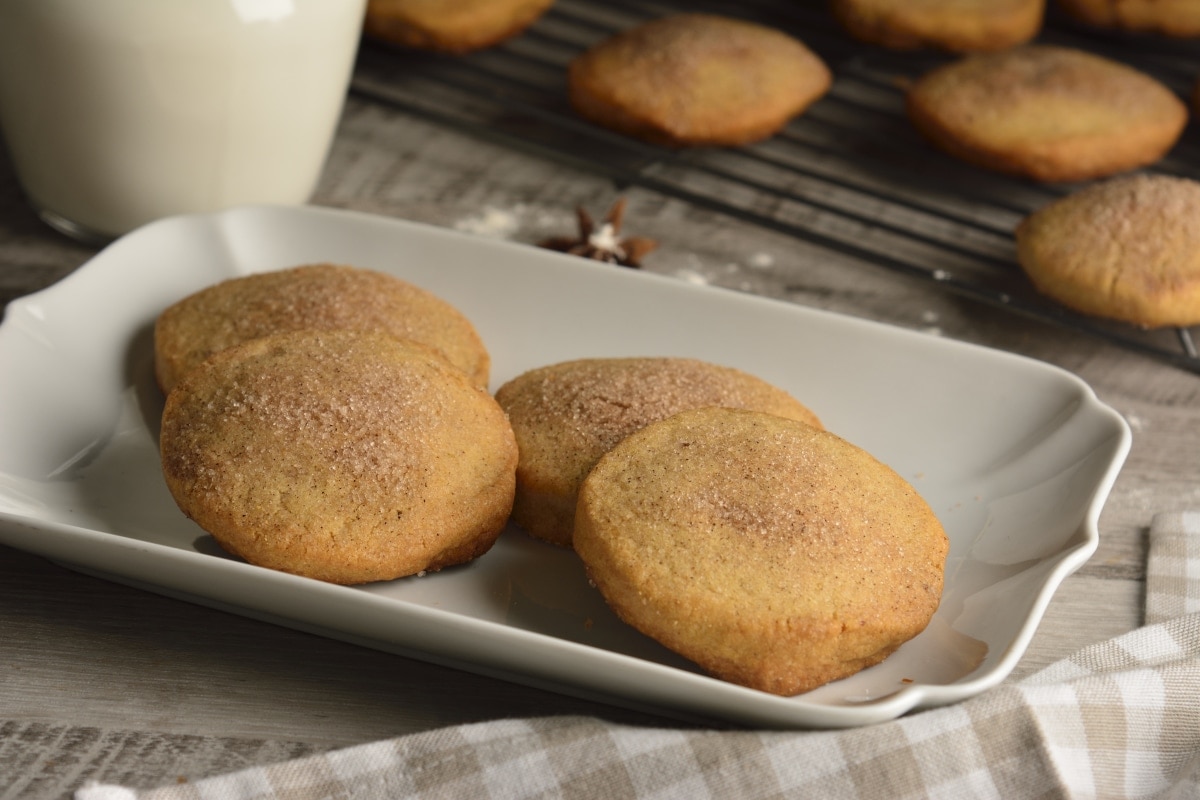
102, 680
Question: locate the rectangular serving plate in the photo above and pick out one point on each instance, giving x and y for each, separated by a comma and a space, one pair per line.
1015, 456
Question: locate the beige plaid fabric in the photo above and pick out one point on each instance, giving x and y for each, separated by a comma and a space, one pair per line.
1120, 719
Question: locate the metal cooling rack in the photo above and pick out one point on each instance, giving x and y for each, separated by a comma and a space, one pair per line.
849, 175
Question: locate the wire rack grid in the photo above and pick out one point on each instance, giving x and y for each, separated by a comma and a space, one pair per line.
850, 174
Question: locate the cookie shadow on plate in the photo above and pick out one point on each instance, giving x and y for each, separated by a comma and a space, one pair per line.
139, 375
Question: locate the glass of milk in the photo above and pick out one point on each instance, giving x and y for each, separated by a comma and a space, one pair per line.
119, 112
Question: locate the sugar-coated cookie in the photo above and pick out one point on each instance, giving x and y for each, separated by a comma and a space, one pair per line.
1179, 18
1127, 249
450, 26
771, 553
322, 296
344, 456
697, 79
566, 415
959, 26
1049, 113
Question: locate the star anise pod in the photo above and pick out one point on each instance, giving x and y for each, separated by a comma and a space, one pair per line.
603, 242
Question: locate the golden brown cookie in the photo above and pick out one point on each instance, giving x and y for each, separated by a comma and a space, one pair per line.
566, 415
450, 26
1127, 249
958, 26
1179, 18
324, 296
1048, 113
773, 554
344, 456
696, 79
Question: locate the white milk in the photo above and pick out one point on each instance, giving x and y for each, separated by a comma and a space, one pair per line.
118, 112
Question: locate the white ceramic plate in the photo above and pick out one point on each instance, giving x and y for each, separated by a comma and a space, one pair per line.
1015, 456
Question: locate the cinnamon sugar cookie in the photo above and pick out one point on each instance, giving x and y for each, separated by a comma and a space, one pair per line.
344, 456
1126, 249
324, 296
1047, 113
1178, 18
697, 79
958, 26
773, 554
450, 26
566, 415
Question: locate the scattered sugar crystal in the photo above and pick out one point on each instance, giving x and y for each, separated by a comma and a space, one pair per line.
494, 222
691, 276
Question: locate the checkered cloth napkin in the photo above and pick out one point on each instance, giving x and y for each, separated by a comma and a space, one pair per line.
1120, 719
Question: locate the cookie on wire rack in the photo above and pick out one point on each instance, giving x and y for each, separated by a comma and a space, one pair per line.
958, 26
1127, 248
1175, 18
1049, 113
697, 79
450, 26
